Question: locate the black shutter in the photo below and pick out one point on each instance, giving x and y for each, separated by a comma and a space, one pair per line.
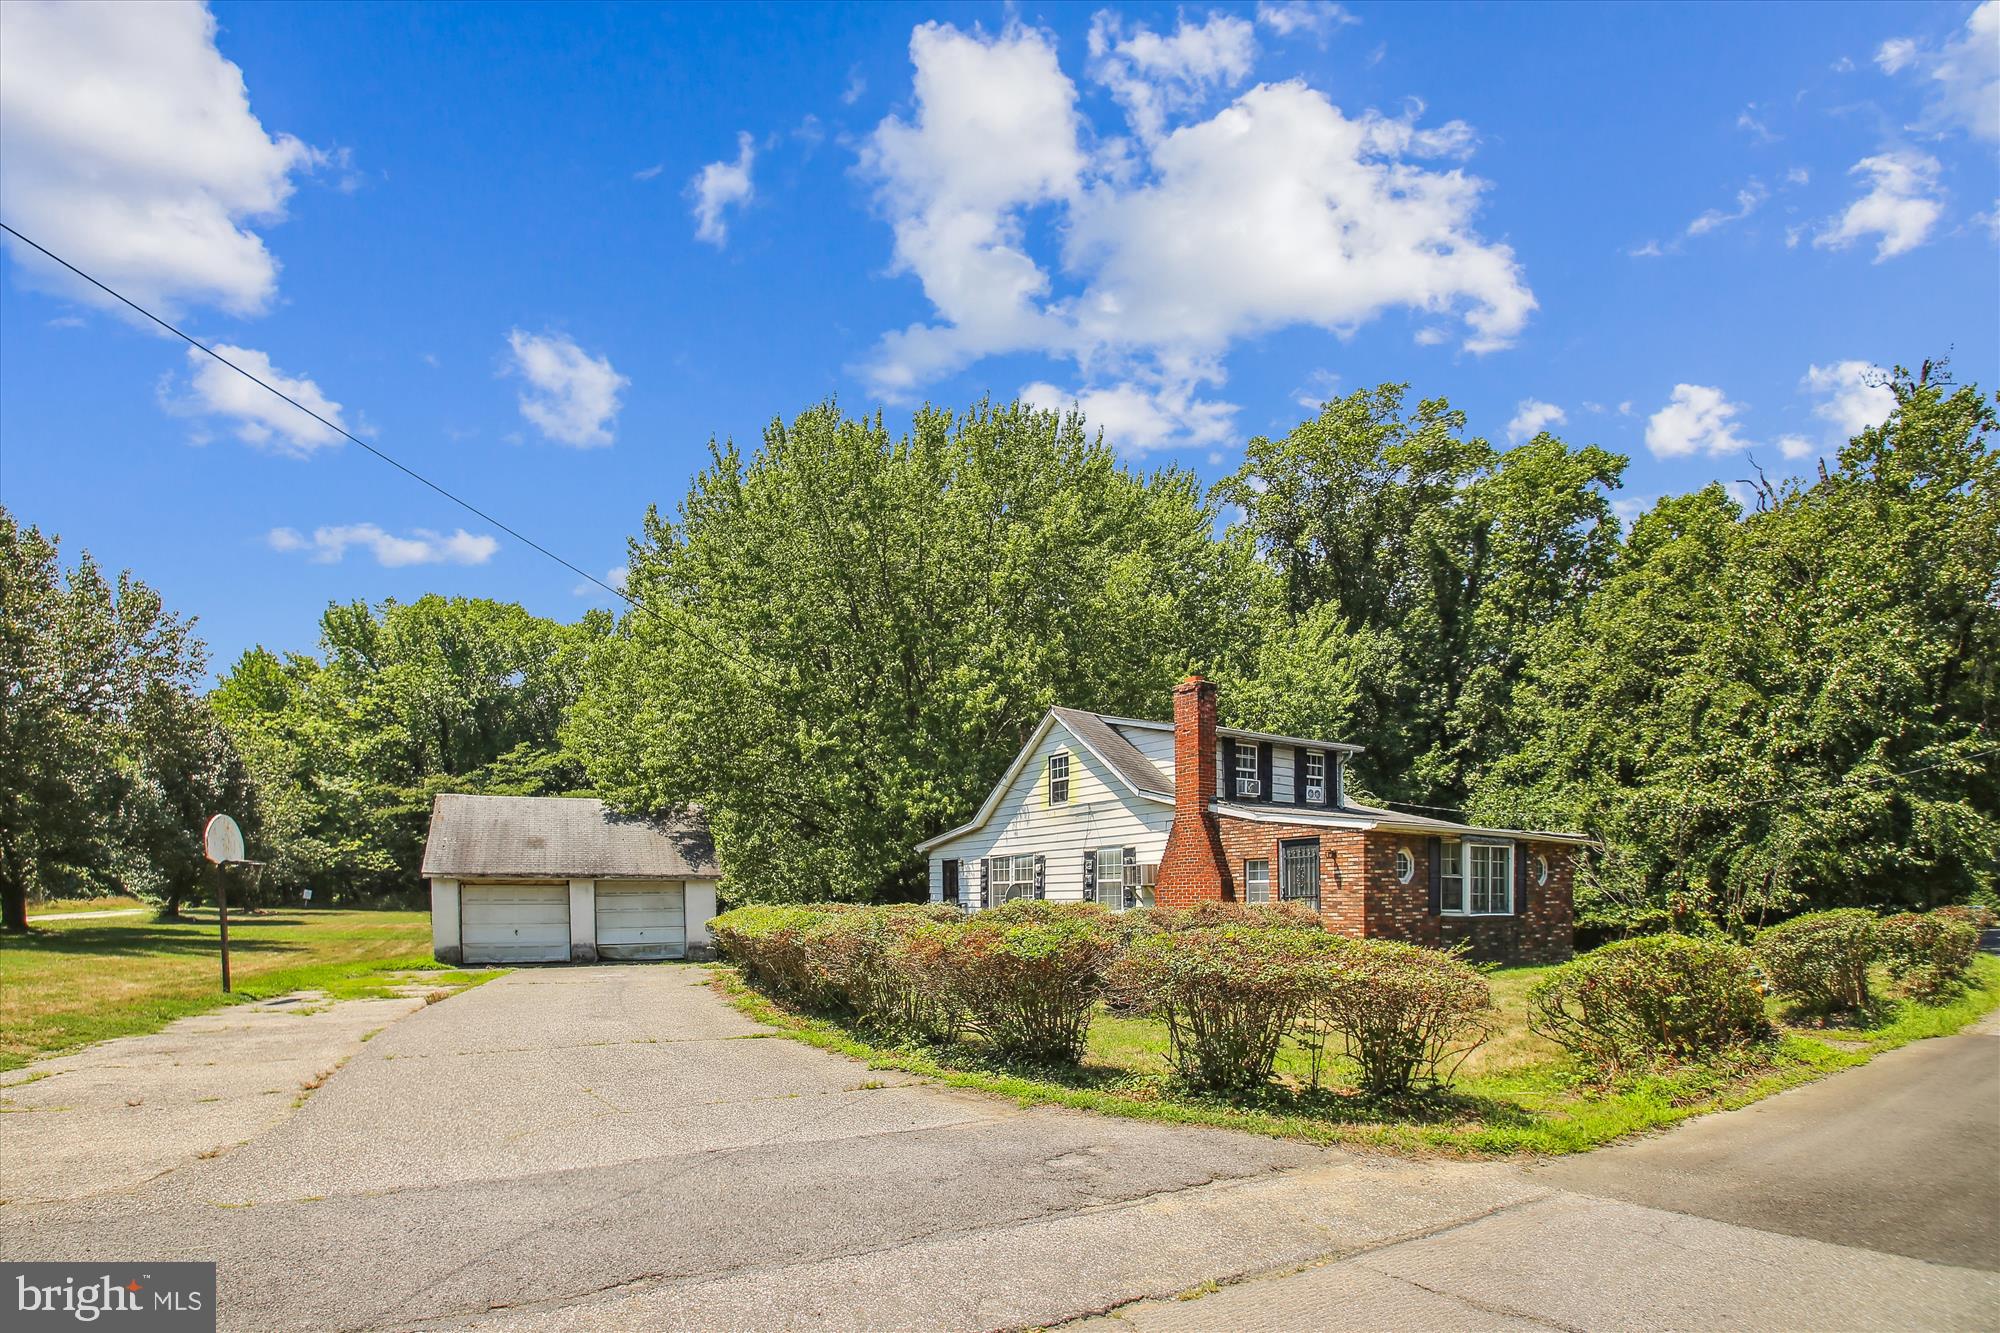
1131, 876
1436, 853
1228, 769
1041, 875
985, 869
1520, 879
1090, 877
1264, 773
1298, 775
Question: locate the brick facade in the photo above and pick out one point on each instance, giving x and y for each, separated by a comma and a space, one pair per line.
1193, 868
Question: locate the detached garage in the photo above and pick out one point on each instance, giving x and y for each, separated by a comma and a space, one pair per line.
553, 879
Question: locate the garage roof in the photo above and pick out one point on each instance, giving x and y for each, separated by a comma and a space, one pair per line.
561, 837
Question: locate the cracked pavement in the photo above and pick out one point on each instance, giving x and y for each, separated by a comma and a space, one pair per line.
614, 1147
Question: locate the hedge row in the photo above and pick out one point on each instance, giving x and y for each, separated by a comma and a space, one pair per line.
1230, 983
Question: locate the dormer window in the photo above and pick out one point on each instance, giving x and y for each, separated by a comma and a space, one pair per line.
1315, 778
1248, 779
1059, 778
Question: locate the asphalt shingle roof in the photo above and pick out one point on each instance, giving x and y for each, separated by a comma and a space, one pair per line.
1115, 750
561, 837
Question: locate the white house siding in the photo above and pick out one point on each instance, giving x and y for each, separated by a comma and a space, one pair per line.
1156, 743
1101, 812
1281, 772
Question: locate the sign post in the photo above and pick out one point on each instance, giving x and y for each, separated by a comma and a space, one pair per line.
223, 842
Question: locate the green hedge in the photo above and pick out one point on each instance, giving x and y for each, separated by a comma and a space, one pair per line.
1658, 997
1819, 961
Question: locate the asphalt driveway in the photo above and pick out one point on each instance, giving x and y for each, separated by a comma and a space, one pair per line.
614, 1147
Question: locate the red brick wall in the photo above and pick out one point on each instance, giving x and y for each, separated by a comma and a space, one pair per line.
1359, 894
1193, 868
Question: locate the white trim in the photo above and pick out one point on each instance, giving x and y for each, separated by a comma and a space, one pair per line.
1007, 780
1049, 776
1465, 846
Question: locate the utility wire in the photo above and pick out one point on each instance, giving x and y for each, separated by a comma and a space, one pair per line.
401, 467
1767, 800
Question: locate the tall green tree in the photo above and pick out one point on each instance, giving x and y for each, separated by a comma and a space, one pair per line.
1789, 707
77, 655
1410, 563
847, 635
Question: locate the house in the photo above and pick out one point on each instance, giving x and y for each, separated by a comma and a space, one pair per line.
1132, 813
554, 879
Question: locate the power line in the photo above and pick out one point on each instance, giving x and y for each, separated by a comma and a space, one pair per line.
401, 467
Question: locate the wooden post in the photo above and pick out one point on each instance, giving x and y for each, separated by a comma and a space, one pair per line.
222, 916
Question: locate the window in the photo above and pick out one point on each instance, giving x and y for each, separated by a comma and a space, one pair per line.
1451, 879
1316, 778
1298, 872
951, 882
1541, 870
1011, 877
1111, 877
1478, 879
1248, 781
1406, 865
1059, 778
1257, 881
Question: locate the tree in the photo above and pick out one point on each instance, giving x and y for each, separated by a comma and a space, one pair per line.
846, 637
1795, 706
183, 770
76, 655
1411, 563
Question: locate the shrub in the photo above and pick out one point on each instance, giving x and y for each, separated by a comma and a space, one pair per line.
1228, 994
1639, 1000
1820, 960
1408, 1015
768, 944
849, 960
1262, 916
1929, 953
1026, 980
1977, 915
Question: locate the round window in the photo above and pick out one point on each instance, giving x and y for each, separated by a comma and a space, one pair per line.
1541, 870
1406, 865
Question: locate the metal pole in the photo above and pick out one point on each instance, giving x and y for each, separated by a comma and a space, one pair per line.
222, 915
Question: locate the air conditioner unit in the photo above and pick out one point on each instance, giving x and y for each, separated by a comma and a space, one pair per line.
1315, 794
1249, 787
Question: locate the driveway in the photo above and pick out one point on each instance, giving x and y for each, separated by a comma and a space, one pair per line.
613, 1147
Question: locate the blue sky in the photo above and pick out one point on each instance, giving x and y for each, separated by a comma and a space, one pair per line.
543, 254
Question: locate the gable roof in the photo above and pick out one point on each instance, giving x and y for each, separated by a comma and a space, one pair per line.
561, 837
1094, 730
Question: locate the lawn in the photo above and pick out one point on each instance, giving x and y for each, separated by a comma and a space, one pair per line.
68, 983
1514, 1094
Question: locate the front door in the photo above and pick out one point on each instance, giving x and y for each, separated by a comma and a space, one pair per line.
1298, 872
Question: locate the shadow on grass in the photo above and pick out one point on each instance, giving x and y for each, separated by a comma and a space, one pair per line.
187, 936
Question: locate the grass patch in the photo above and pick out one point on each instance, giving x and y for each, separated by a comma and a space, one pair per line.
69, 983
109, 902
1515, 1095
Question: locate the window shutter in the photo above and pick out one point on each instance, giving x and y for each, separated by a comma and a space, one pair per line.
985, 869
1520, 879
1298, 775
1131, 877
1436, 853
1090, 877
1228, 788
1041, 875
1264, 773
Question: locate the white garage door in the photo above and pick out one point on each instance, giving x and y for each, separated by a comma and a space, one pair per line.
641, 921
515, 923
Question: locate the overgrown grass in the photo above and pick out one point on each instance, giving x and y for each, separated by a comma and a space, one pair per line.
68, 983
108, 902
1516, 1094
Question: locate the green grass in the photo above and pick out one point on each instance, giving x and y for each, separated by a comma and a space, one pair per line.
1514, 1095
109, 902
69, 983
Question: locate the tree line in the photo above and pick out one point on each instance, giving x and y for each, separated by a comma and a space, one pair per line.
840, 639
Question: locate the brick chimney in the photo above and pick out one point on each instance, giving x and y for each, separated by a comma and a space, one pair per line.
1194, 868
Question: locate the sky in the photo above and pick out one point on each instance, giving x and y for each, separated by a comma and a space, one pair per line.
545, 254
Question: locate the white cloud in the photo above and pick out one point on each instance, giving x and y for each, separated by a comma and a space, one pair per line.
327, 545
1650, 250
1962, 78
1431, 335
1697, 419
1895, 54
1747, 200
1288, 18
648, 173
1531, 417
1135, 418
261, 418
1625, 408
1797, 176
1844, 65
1152, 75
130, 148
1751, 121
1629, 508
1796, 447
1319, 389
856, 86
571, 396
720, 186
1278, 210
1901, 206
1854, 395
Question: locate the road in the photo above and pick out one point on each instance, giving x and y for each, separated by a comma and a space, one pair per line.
613, 1147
